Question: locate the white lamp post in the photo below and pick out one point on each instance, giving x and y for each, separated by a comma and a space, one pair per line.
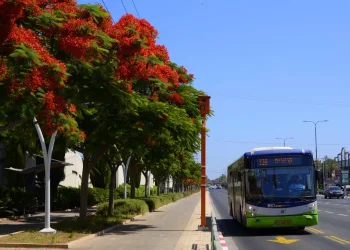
47, 162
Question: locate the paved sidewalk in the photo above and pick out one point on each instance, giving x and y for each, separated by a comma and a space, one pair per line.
174, 227
191, 238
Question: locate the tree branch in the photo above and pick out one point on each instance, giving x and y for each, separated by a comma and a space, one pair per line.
11, 125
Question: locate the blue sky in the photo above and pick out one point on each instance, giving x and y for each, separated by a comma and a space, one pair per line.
267, 65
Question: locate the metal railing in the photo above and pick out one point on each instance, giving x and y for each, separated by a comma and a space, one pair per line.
215, 240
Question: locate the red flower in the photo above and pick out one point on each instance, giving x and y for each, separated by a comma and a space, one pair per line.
176, 98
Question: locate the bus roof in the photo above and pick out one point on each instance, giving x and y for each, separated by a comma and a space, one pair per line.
277, 150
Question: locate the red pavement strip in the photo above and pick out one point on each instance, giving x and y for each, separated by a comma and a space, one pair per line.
222, 241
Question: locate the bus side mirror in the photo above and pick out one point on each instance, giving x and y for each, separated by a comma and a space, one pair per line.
317, 175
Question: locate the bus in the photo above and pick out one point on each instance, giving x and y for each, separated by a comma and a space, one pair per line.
273, 188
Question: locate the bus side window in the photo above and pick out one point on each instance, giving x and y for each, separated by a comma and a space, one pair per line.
239, 176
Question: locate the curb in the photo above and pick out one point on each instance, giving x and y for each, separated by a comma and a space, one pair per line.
222, 241
82, 239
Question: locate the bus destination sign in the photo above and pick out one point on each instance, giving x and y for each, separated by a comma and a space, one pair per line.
279, 161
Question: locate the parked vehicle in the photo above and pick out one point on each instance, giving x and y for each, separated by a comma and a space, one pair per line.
333, 191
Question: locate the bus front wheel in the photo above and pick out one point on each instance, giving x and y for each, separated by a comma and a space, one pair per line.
300, 228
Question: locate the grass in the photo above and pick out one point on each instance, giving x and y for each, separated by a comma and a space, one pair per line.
67, 230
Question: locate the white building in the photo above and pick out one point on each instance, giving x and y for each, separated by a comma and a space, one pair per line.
120, 178
74, 172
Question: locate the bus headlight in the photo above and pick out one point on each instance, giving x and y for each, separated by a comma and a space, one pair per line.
312, 206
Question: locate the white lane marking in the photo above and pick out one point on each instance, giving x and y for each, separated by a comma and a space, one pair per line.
328, 212
342, 214
321, 210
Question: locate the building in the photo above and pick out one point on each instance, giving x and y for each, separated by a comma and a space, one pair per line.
73, 169
73, 173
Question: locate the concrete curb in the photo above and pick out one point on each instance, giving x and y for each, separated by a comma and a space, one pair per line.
217, 239
82, 239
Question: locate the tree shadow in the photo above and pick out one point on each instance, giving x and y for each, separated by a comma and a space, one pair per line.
7, 228
231, 228
130, 229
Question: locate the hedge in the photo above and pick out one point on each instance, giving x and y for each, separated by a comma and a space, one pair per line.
124, 207
16, 201
142, 205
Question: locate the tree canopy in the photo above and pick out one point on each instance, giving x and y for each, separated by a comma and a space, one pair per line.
100, 84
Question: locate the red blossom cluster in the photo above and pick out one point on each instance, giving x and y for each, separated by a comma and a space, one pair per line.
138, 55
137, 43
176, 98
149, 141
139, 124
163, 117
189, 181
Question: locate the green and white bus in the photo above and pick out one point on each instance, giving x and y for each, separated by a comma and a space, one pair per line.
273, 187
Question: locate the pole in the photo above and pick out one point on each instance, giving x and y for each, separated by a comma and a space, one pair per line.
324, 180
47, 163
315, 123
284, 140
203, 172
316, 142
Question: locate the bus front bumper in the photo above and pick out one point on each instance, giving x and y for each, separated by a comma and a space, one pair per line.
282, 221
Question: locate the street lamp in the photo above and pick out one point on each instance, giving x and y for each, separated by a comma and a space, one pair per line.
315, 123
284, 140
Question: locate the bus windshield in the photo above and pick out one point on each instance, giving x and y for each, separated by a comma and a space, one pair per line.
280, 183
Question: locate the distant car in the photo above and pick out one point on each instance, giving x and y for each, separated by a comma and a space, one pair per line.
333, 192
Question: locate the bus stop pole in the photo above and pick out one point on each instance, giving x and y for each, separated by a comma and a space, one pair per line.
204, 108
203, 172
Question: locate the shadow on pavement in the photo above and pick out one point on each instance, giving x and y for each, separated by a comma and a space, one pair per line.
130, 229
231, 228
11, 228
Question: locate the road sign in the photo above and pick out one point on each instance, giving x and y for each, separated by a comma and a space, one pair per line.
282, 240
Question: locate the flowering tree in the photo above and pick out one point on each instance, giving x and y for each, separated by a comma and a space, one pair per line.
32, 79
98, 83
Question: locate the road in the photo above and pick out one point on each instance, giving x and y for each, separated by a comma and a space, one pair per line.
332, 232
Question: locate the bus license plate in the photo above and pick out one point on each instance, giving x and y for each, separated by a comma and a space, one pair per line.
282, 222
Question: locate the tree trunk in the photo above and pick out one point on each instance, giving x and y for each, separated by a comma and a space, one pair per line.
133, 176
111, 190
158, 189
84, 188
148, 173
125, 173
87, 165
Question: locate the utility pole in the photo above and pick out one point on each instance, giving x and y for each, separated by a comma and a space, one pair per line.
284, 140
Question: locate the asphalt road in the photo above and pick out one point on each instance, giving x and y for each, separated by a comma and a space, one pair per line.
332, 232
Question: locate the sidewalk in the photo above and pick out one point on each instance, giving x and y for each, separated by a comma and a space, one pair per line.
174, 227
191, 238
